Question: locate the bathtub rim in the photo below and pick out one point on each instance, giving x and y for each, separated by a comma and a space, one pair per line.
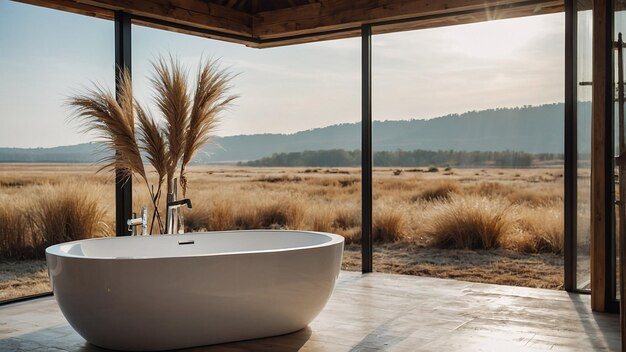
55, 249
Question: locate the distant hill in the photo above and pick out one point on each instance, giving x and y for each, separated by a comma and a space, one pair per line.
80, 153
530, 129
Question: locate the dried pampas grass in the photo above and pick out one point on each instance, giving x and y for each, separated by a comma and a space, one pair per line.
185, 123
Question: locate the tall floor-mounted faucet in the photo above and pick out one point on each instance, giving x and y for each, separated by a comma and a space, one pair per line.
172, 216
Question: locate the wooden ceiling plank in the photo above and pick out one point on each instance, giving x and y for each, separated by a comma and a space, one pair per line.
189, 12
303, 23
194, 33
337, 14
309, 39
463, 19
433, 22
73, 7
241, 5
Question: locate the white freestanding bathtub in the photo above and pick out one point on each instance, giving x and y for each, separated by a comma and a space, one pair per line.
175, 291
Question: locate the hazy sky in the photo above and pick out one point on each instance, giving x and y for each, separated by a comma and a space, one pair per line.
46, 55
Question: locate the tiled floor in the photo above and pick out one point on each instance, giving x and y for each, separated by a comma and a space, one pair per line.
385, 312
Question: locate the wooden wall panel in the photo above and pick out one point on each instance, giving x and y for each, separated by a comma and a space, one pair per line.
601, 156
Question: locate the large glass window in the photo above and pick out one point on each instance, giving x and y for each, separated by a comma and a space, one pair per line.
286, 154
468, 151
468, 139
49, 192
584, 94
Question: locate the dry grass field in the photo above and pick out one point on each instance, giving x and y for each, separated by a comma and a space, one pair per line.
486, 225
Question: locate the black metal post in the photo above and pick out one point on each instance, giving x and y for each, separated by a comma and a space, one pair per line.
366, 148
570, 147
123, 184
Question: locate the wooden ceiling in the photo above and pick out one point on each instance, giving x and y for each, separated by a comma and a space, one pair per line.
267, 23
254, 6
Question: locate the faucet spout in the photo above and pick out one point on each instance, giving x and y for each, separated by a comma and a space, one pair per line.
180, 202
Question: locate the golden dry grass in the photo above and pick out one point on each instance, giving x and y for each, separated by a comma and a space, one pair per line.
389, 225
518, 211
23, 278
414, 207
64, 214
13, 227
42, 215
469, 222
500, 266
440, 191
541, 230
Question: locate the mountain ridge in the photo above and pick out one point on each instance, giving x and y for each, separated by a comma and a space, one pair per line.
530, 129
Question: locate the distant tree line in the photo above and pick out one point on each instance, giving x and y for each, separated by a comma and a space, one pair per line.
341, 157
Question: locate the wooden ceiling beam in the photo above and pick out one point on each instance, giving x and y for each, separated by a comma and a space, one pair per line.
196, 13
278, 42
327, 15
251, 42
425, 23
315, 21
482, 16
73, 7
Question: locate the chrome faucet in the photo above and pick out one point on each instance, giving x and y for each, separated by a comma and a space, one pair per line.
171, 219
140, 221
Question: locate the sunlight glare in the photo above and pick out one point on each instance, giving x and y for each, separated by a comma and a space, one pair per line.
496, 39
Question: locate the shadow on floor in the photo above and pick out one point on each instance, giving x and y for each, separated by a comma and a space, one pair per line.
381, 337
64, 339
283, 343
602, 334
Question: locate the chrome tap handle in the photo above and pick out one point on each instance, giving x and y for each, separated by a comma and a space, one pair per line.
131, 225
144, 221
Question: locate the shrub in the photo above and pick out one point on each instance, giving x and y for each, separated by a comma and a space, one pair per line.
440, 191
281, 214
346, 218
535, 197
348, 182
389, 225
490, 189
541, 230
469, 223
220, 216
49, 216
322, 219
433, 169
351, 235
280, 179
245, 218
196, 218
15, 236
66, 214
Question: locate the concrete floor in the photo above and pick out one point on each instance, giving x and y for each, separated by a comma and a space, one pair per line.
385, 312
